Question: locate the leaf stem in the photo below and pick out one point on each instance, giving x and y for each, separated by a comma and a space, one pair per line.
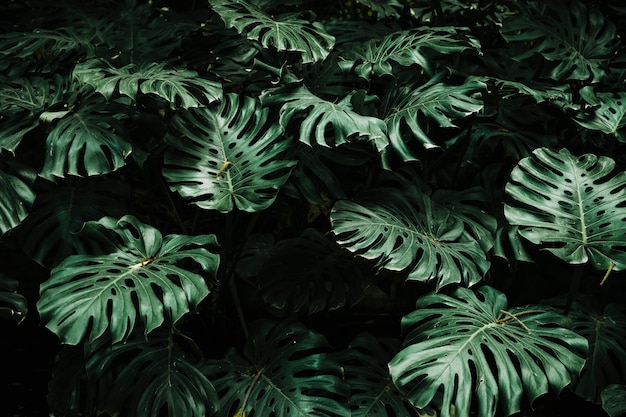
573, 289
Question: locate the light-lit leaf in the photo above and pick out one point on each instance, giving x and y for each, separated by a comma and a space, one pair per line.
470, 347
285, 32
227, 156
607, 112
180, 87
137, 284
571, 206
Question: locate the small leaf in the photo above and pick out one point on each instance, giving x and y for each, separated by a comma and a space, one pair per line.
12, 304
467, 347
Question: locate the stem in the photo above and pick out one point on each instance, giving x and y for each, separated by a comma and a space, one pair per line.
573, 289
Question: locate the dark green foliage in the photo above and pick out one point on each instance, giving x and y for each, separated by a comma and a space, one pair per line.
225, 208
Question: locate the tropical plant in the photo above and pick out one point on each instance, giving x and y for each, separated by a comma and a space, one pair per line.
260, 208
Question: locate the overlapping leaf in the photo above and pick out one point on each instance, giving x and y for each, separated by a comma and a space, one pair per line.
572, 206
283, 371
435, 101
468, 347
180, 87
284, 32
607, 113
51, 232
227, 156
376, 56
323, 122
153, 376
404, 230
309, 274
576, 39
12, 304
373, 393
137, 284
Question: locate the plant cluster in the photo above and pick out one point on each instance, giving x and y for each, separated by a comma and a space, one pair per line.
260, 208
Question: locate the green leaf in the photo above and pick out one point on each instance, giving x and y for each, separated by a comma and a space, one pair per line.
614, 400
180, 87
468, 347
323, 122
309, 274
284, 370
365, 370
572, 206
435, 101
51, 232
375, 57
605, 329
227, 156
17, 197
154, 376
285, 32
87, 296
407, 231
88, 141
383, 8
576, 39
607, 112
12, 304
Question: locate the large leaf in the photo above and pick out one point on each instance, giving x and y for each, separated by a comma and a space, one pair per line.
284, 32
87, 296
154, 376
434, 101
227, 156
51, 232
12, 304
17, 197
468, 345
180, 87
607, 113
323, 122
283, 371
375, 57
572, 206
578, 40
407, 231
309, 274
373, 393
88, 140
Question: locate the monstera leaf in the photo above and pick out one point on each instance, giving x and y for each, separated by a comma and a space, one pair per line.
373, 393
614, 400
407, 231
468, 345
572, 206
137, 283
375, 57
578, 40
12, 304
180, 87
436, 101
607, 112
153, 376
309, 274
325, 123
605, 329
227, 156
384, 8
282, 371
17, 196
51, 232
284, 32
89, 140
